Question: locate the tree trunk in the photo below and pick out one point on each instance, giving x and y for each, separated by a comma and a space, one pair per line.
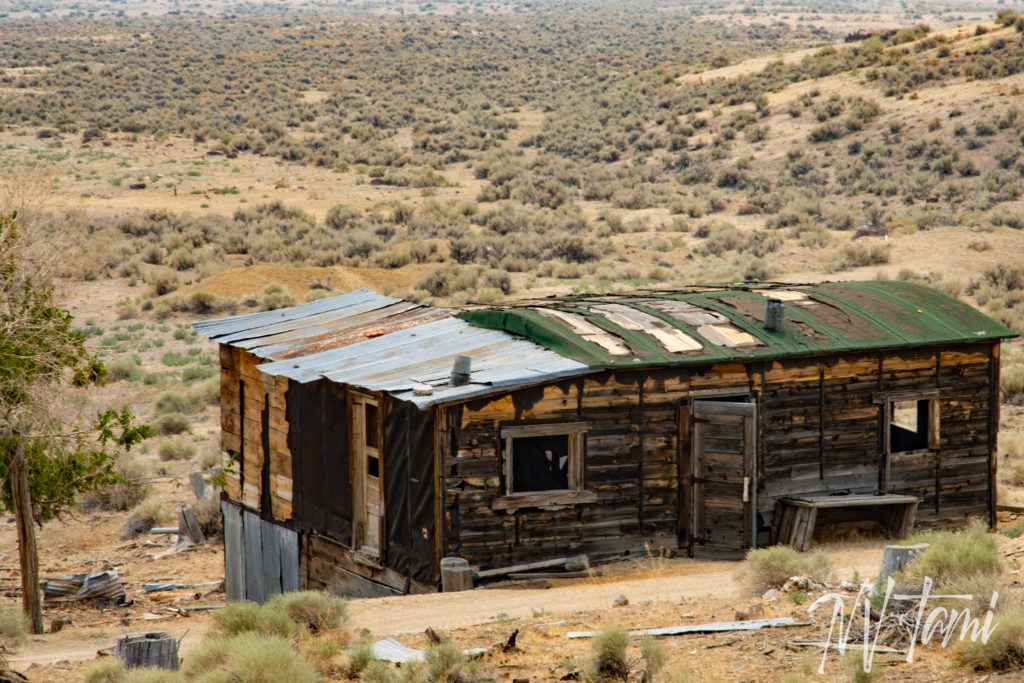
28, 552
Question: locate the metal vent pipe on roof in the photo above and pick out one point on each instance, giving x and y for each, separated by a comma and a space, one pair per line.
460, 371
774, 314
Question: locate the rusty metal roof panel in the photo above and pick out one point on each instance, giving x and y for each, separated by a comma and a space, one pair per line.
318, 325
403, 363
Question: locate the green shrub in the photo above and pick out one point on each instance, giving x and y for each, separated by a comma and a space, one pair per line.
446, 663
609, 661
173, 402
172, 423
106, 670
176, 449
771, 567
316, 610
953, 556
857, 255
250, 657
249, 617
1004, 649
149, 675
320, 651
274, 297
123, 369
655, 658
1011, 378
359, 658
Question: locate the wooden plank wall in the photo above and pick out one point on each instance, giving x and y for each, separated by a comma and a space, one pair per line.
631, 463
250, 399
819, 429
822, 430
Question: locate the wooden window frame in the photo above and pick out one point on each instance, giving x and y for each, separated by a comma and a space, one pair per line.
576, 492
934, 410
886, 401
358, 452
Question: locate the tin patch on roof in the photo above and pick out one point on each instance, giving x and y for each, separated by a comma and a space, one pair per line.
671, 339
688, 313
727, 335
589, 331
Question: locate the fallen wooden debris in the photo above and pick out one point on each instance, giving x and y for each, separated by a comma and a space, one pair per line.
105, 586
855, 646
172, 585
525, 576
164, 530
717, 627
575, 564
188, 525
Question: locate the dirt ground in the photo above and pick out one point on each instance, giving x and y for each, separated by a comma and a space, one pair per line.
660, 592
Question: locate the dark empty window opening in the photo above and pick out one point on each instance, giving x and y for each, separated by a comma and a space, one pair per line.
540, 463
543, 457
910, 425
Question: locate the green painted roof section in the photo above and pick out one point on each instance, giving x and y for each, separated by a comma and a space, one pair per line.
820, 319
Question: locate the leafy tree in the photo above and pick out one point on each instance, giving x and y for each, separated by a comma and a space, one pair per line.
45, 462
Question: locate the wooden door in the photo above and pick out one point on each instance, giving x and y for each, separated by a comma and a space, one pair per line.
723, 487
369, 507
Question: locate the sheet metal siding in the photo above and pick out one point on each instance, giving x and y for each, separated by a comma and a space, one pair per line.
261, 558
234, 557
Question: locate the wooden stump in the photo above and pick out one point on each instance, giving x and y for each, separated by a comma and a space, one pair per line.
895, 558
199, 486
188, 525
455, 575
148, 649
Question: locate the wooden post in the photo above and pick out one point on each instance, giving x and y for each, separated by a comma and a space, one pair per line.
198, 485
157, 650
895, 559
28, 552
188, 525
455, 575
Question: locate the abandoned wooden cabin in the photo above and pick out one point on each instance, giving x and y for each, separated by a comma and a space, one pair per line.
373, 436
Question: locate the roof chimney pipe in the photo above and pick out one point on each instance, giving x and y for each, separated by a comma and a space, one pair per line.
774, 314
460, 371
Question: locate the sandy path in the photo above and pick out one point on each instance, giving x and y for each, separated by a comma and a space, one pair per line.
414, 613
689, 579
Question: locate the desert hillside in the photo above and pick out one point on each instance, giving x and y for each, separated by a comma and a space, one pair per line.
194, 160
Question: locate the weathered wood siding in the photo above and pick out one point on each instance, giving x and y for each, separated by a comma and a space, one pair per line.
823, 430
630, 462
820, 430
254, 430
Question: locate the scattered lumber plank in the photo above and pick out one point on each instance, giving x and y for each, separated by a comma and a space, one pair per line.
577, 563
717, 627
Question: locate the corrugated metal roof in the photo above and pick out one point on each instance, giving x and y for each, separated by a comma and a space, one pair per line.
319, 325
400, 361
727, 324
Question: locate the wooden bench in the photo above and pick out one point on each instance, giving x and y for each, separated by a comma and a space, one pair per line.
799, 515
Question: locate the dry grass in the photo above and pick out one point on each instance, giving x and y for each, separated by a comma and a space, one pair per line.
13, 627
317, 611
144, 516
1004, 649
771, 567
249, 657
955, 556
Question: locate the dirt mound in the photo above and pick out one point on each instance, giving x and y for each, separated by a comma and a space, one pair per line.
238, 282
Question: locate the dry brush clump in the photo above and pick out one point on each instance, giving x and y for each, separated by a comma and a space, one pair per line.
771, 567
